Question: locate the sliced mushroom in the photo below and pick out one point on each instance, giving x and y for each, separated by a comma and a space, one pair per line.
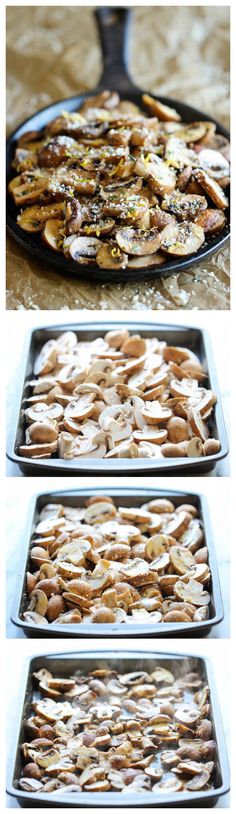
212, 221
155, 413
39, 602
212, 188
185, 207
157, 108
181, 559
110, 256
32, 218
199, 781
41, 410
83, 248
160, 177
137, 241
191, 591
182, 239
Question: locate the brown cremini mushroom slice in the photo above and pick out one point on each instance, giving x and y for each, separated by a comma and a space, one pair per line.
33, 218
192, 132
212, 188
182, 239
138, 241
38, 602
38, 450
160, 177
212, 221
163, 112
30, 191
186, 207
83, 248
110, 256
53, 233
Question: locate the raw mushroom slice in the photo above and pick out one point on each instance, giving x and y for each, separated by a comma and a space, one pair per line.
168, 784
149, 434
182, 239
155, 413
41, 410
185, 207
138, 241
163, 112
192, 592
181, 559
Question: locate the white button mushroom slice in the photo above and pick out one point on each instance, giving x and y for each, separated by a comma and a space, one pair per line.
46, 360
138, 241
41, 410
151, 435
34, 618
110, 256
157, 545
154, 413
83, 248
81, 408
98, 512
157, 108
70, 375
148, 450
160, 177
214, 163
181, 559
135, 514
46, 527
200, 572
191, 592
212, 188
162, 675
182, 239
199, 781
185, 207
30, 785
185, 387
160, 562
192, 538
123, 450
186, 714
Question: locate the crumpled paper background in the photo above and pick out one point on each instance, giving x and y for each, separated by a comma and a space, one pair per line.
177, 51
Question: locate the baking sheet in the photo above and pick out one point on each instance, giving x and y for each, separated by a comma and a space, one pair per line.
177, 51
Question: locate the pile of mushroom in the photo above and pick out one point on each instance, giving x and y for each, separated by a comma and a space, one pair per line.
118, 396
114, 186
101, 564
128, 732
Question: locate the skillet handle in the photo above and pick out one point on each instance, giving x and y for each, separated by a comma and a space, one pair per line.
113, 25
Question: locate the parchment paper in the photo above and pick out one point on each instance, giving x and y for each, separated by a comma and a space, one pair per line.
54, 53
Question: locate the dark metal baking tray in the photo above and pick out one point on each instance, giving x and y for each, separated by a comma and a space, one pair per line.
194, 338
113, 24
128, 497
67, 663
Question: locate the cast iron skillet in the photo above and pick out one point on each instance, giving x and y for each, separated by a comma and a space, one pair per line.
113, 24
